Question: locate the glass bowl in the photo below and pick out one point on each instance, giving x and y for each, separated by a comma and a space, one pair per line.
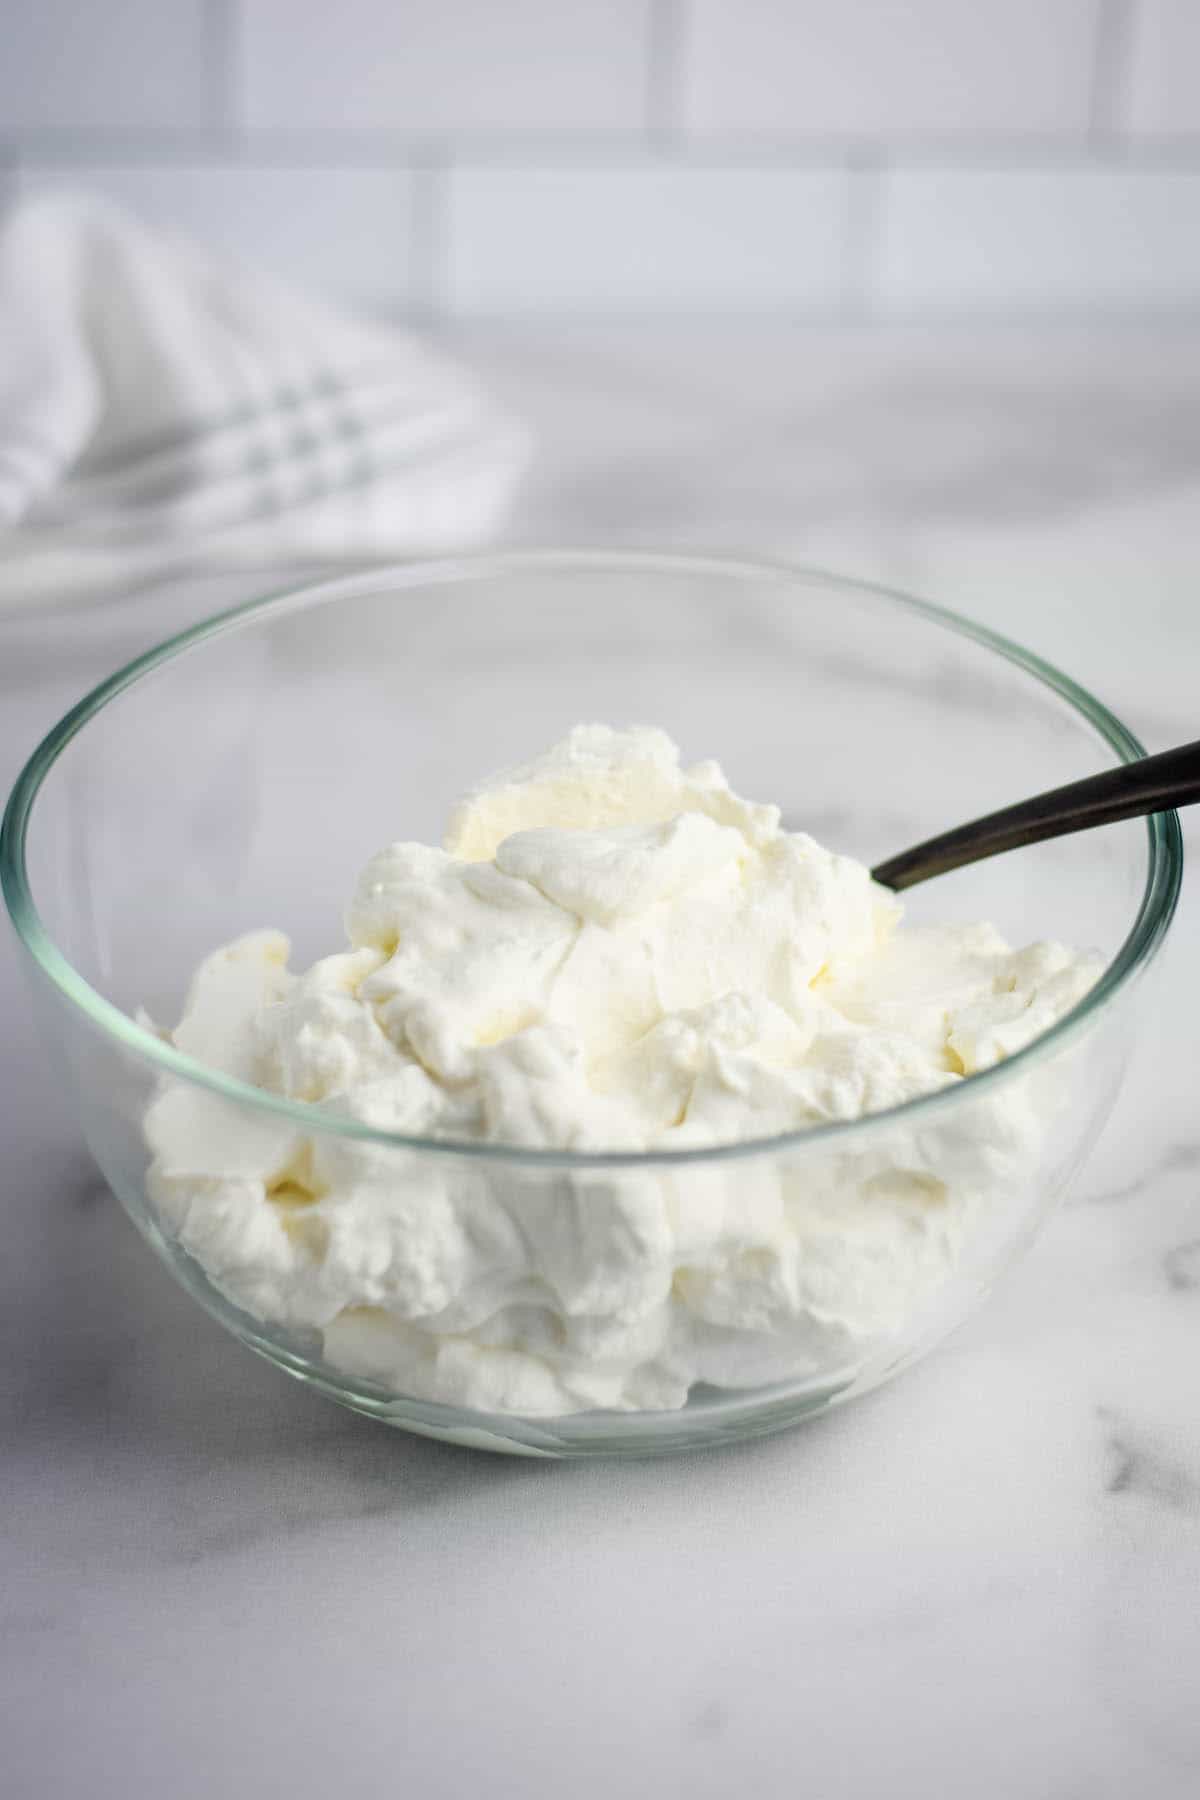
241, 774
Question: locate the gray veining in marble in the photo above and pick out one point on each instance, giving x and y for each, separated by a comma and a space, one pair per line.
1138, 1467
1181, 1266
982, 1581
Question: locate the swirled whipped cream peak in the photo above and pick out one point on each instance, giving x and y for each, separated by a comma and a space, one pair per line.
611, 952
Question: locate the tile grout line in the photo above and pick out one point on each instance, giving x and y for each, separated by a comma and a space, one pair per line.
428, 236
10, 184
865, 173
1111, 56
338, 148
665, 28
220, 59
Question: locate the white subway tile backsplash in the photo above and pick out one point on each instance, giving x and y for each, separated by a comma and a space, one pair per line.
1040, 239
1162, 93
341, 231
638, 156
862, 68
644, 238
106, 65
432, 65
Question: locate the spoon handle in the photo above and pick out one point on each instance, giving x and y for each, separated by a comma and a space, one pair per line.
1153, 784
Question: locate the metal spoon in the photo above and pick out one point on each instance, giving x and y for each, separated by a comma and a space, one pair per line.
1154, 784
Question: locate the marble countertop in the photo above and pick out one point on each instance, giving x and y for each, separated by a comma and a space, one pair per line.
984, 1580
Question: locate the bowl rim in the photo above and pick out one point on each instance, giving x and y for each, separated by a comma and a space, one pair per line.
1155, 909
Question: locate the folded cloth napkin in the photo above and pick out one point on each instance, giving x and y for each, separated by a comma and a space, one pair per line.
161, 406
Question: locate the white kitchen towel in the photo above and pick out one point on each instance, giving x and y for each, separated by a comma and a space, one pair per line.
161, 406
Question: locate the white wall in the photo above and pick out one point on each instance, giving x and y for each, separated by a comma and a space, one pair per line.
891, 158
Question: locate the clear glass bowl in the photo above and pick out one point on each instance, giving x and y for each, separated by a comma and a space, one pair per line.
242, 773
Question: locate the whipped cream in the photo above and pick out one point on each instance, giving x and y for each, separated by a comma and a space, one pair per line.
612, 952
